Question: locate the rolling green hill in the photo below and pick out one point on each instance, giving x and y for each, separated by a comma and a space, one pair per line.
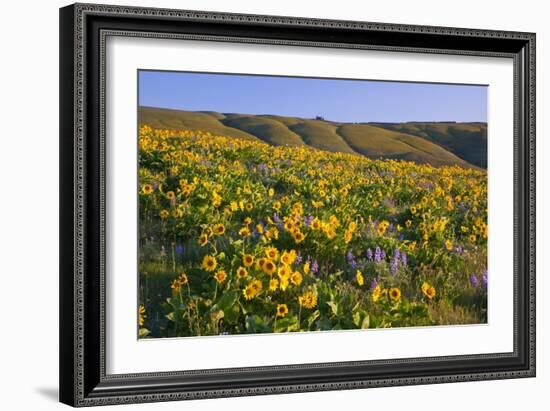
376, 142
267, 129
189, 120
466, 140
463, 144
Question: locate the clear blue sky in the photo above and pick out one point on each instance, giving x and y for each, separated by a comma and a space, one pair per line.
336, 100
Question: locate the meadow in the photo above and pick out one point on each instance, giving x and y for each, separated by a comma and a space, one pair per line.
239, 236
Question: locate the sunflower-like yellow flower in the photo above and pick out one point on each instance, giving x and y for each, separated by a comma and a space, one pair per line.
142, 315
248, 260
260, 263
147, 189
348, 235
308, 299
359, 277
376, 292
288, 257
252, 289
282, 310
218, 229
315, 224
284, 271
182, 278
244, 232
269, 267
296, 278
272, 253
209, 263
242, 272
298, 236
428, 290
203, 240
273, 284
395, 294
220, 276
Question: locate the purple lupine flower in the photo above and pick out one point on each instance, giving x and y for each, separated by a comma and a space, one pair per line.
276, 218
396, 254
369, 254
377, 255
179, 249
308, 220
485, 279
314, 267
349, 257
373, 283
404, 259
401, 237
383, 255
299, 258
458, 249
393, 266
353, 264
474, 282
390, 227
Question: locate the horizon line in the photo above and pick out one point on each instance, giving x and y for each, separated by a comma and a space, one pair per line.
314, 118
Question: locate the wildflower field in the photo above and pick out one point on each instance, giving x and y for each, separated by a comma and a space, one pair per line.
237, 236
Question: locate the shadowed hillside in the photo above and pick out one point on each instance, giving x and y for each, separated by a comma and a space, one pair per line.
466, 140
376, 142
463, 144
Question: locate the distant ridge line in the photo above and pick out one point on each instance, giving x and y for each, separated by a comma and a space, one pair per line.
430, 142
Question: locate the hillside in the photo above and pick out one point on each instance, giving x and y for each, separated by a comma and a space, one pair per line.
466, 140
463, 144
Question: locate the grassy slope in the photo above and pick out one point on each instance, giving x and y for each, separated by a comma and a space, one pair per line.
321, 135
433, 143
189, 120
466, 140
269, 130
378, 142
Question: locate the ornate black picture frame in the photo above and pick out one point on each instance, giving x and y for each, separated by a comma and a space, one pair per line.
83, 30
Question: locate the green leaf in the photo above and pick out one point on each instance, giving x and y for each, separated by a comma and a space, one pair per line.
255, 324
357, 318
287, 324
227, 300
143, 332
366, 322
333, 306
232, 314
311, 319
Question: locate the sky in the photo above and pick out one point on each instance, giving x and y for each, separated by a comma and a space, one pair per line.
338, 100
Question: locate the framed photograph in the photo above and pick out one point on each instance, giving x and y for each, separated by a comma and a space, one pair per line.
261, 204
